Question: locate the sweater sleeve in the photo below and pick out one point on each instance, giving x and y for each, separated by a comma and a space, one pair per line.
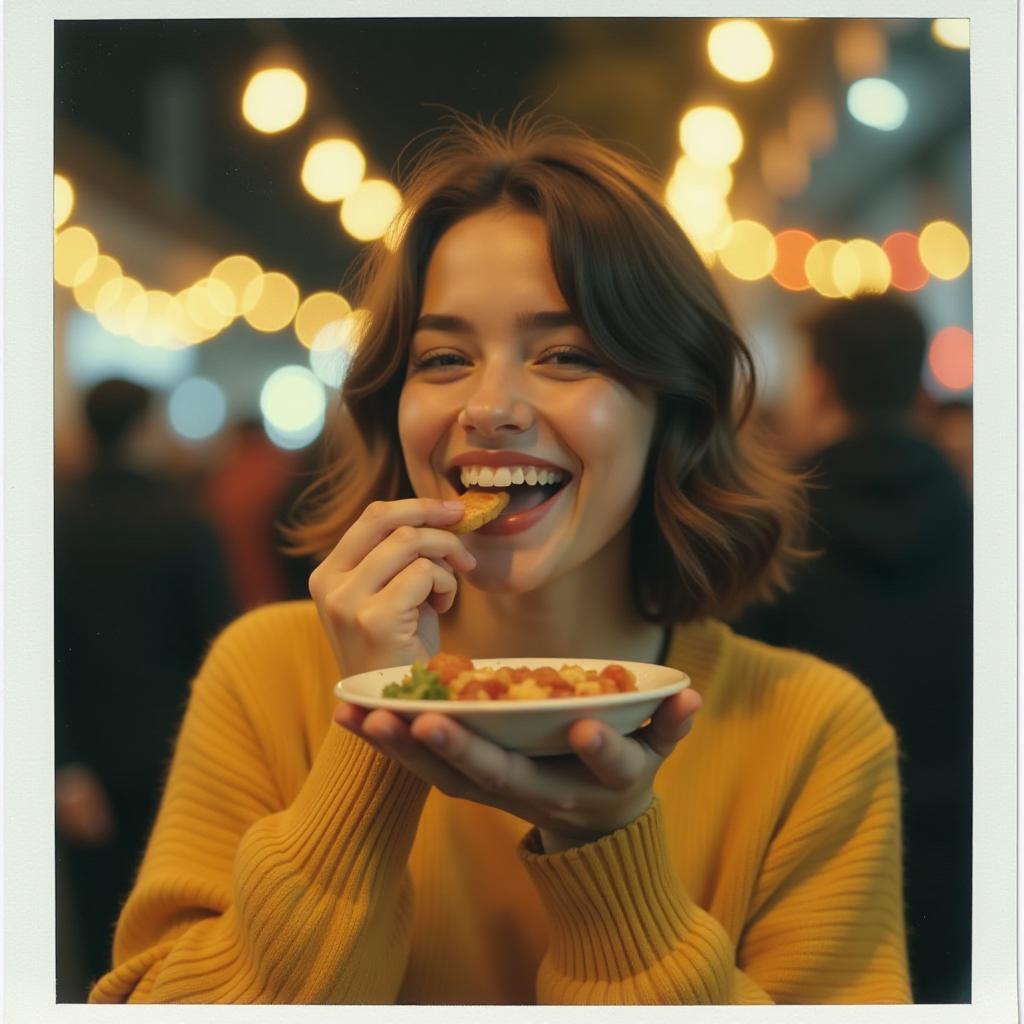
244, 899
825, 924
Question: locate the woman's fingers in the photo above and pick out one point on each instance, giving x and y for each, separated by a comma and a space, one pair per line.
402, 548
413, 585
392, 735
379, 519
615, 761
671, 722
496, 771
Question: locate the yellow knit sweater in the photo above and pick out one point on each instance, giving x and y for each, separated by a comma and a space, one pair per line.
291, 863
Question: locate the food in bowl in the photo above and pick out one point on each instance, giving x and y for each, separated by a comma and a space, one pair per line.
455, 677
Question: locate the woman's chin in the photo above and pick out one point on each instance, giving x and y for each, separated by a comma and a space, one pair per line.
495, 575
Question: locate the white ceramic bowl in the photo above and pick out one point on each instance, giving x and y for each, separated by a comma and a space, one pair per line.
533, 727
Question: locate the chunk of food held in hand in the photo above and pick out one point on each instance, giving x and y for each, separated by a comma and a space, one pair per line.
481, 507
455, 677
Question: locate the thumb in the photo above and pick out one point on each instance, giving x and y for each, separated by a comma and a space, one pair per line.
672, 720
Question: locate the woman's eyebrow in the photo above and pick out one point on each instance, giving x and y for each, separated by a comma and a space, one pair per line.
545, 321
442, 322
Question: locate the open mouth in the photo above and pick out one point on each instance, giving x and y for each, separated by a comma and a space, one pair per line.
523, 496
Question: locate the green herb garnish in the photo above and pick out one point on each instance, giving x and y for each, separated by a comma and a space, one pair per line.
421, 685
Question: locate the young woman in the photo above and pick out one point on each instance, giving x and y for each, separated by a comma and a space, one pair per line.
540, 308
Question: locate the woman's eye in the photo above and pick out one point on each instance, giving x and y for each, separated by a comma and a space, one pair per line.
568, 357
435, 360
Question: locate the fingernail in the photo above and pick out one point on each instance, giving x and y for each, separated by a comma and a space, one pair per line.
437, 738
596, 742
453, 505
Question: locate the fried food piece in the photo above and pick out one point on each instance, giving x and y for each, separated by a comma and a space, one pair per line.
481, 507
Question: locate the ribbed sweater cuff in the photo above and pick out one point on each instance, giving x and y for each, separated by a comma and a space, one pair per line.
355, 817
615, 905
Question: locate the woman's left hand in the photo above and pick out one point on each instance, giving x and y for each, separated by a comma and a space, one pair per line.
573, 799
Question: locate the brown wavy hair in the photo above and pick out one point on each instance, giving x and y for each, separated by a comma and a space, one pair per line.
717, 520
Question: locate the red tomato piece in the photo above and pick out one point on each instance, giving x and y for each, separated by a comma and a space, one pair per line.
622, 678
494, 688
448, 666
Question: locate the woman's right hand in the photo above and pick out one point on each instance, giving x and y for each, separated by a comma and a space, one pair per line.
381, 589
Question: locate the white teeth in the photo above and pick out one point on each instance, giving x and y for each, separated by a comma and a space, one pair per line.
505, 476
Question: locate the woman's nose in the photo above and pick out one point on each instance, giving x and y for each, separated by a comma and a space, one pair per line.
498, 404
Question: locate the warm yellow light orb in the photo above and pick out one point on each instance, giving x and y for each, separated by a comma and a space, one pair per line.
274, 99
116, 308
861, 266
944, 250
154, 330
333, 169
238, 272
184, 330
952, 32
210, 303
740, 50
710, 135
705, 218
75, 252
316, 312
370, 209
277, 302
749, 252
818, 267
63, 200
106, 269
688, 174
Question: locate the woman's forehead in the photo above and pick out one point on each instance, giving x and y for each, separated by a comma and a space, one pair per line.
499, 257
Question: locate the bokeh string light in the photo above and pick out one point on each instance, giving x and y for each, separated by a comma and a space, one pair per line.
950, 358
740, 50
908, 272
790, 270
63, 200
710, 135
952, 32
944, 250
333, 169
274, 99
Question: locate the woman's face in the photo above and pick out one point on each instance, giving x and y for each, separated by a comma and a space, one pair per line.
500, 375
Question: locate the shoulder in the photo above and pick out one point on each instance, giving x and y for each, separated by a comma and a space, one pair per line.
790, 691
276, 641
272, 667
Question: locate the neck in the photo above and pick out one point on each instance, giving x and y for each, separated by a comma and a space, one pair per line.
584, 613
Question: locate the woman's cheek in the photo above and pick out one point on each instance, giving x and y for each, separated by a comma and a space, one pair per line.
611, 429
419, 433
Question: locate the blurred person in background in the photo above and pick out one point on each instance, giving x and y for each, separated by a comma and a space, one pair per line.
243, 496
890, 596
140, 589
951, 426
